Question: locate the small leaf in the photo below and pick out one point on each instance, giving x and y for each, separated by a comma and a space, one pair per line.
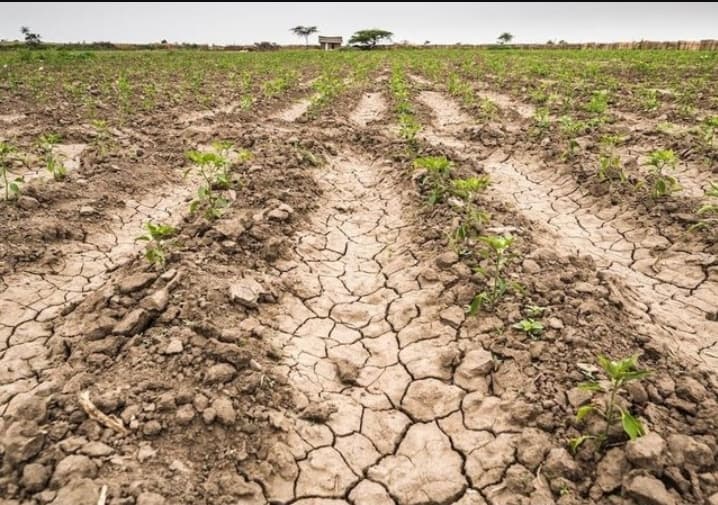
590, 386
576, 442
631, 425
583, 411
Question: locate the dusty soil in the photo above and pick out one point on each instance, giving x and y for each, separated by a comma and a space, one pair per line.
312, 346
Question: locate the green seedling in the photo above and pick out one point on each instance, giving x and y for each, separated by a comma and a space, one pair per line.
12, 186
649, 100
619, 373
409, 127
663, 184
530, 326
157, 238
541, 119
102, 135
599, 103
496, 253
472, 217
438, 172
708, 212
610, 167
534, 311
488, 109
570, 130
212, 168
53, 163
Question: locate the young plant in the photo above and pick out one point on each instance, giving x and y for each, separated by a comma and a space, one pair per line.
12, 186
534, 311
609, 161
619, 373
599, 103
103, 138
496, 252
541, 119
663, 184
53, 163
570, 130
708, 212
530, 326
472, 217
211, 167
157, 238
437, 173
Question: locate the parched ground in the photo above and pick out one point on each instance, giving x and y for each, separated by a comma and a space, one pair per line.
312, 345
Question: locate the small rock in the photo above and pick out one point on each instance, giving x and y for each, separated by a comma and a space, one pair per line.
225, 411
133, 323
200, 402
347, 372
647, 490
245, 292
453, 316
577, 397
179, 467
637, 392
73, 467
611, 469
559, 463
96, 449
278, 215
27, 203
135, 282
531, 267
713, 500
184, 415
665, 385
152, 428
646, 451
157, 301
447, 259
78, 492
209, 415
145, 453
688, 388
147, 498
555, 323
174, 347
686, 450
220, 373
166, 402
86, 211
34, 477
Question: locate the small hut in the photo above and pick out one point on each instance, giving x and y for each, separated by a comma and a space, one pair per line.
329, 43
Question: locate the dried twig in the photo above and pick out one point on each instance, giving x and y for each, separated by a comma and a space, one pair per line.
95, 413
103, 495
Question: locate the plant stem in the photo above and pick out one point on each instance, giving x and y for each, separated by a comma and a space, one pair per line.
609, 409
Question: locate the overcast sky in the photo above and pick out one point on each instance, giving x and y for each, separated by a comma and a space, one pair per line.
478, 22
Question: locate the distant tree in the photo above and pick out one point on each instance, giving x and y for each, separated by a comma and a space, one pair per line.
549, 43
31, 39
368, 39
164, 42
505, 38
562, 42
304, 31
427, 42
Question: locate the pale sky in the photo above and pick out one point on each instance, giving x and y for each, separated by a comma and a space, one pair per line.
249, 22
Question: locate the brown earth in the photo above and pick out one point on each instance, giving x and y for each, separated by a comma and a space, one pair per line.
311, 346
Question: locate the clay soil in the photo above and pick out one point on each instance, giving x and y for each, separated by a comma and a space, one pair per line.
312, 345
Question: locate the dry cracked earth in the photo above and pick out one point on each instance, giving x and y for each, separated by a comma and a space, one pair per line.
385, 391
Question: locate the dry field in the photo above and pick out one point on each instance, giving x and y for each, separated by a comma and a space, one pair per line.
395, 277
